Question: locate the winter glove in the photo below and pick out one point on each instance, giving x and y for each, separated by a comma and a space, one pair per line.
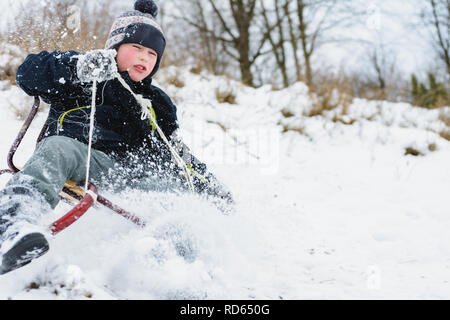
216, 189
219, 196
99, 65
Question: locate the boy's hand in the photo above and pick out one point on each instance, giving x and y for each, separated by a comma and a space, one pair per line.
99, 65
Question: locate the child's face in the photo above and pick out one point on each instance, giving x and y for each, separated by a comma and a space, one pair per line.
138, 60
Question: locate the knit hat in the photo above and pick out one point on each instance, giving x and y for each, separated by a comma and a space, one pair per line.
139, 26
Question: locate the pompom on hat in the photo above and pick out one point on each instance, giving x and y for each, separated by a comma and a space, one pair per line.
139, 26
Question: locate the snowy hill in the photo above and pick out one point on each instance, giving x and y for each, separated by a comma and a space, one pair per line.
333, 206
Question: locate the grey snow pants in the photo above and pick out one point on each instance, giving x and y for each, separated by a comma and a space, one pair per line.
35, 189
56, 160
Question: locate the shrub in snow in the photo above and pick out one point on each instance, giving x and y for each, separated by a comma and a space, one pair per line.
435, 95
11, 57
226, 94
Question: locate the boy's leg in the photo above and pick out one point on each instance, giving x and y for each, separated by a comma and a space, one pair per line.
35, 190
56, 160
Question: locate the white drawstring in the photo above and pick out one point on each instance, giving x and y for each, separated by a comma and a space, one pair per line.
146, 113
91, 133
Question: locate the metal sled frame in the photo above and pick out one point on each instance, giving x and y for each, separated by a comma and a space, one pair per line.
71, 191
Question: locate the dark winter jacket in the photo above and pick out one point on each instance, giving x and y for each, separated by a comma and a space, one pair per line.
119, 130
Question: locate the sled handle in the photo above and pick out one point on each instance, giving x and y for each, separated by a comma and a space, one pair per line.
74, 214
23, 130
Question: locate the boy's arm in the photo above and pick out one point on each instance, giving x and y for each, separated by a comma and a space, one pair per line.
204, 181
50, 75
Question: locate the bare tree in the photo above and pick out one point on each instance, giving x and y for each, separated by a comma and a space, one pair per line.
302, 25
440, 22
236, 20
293, 40
285, 22
381, 78
277, 44
290, 31
314, 20
194, 42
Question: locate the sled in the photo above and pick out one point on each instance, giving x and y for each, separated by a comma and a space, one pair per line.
82, 199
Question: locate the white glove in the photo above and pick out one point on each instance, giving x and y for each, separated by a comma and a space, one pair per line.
99, 65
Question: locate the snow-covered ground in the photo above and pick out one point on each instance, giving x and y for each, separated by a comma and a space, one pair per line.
337, 211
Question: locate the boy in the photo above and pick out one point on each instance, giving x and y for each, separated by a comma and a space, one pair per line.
126, 150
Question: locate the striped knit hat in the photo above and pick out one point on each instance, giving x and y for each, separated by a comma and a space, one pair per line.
139, 26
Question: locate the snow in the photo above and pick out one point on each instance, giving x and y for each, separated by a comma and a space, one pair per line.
331, 211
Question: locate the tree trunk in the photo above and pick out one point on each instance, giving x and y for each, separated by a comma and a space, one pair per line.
293, 41
277, 47
243, 15
442, 42
304, 41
